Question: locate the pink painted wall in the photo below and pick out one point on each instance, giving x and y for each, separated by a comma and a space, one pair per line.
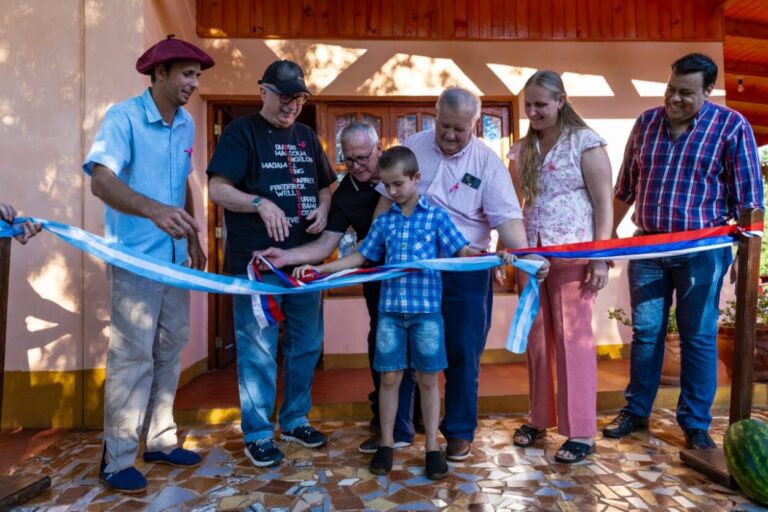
63, 63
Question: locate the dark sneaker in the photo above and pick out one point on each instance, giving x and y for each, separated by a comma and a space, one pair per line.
177, 457
625, 423
436, 465
128, 480
371, 444
699, 439
458, 449
306, 435
381, 463
263, 453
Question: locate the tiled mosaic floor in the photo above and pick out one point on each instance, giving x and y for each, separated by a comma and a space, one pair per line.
642, 472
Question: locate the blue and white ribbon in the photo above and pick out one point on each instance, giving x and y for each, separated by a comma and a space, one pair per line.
528, 305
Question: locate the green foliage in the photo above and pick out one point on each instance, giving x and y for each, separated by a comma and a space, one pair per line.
621, 316
764, 242
728, 315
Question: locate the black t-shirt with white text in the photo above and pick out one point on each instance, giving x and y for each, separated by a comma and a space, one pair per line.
284, 165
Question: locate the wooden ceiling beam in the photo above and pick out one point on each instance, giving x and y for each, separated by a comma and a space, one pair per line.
715, 5
746, 97
746, 68
745, 28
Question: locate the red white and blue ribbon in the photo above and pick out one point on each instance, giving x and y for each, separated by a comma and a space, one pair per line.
650, 246
265, 307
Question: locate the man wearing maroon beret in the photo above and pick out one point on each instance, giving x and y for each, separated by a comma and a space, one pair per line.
139, 165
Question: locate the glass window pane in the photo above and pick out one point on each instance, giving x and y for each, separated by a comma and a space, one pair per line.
406, 126
492, 132
374, 121
427, 122
341, 123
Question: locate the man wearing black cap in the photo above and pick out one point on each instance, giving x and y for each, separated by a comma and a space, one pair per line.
271, 176
139, 164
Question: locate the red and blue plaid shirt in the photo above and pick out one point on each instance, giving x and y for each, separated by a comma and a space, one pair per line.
700, 180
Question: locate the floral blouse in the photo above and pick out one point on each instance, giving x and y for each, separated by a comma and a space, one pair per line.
563, 213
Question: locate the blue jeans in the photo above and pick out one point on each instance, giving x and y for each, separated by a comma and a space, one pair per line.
466, 308
404, 430
696, 280
257, 364
410, 340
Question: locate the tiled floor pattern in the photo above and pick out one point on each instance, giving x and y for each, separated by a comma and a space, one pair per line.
642, 472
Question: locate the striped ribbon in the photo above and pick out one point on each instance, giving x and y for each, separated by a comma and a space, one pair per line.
650, 246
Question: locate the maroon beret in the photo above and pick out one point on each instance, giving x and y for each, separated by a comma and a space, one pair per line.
172, 49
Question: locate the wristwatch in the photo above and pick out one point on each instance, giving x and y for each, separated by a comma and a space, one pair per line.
256, 202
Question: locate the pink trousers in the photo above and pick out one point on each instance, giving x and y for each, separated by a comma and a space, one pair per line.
561, 339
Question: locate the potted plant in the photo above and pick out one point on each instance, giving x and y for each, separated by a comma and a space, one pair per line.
726, 330
670, 370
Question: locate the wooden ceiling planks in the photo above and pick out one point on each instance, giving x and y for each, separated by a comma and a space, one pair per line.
741, 24
745, 52
594, 20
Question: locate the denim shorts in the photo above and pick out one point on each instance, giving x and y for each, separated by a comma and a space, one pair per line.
410, 340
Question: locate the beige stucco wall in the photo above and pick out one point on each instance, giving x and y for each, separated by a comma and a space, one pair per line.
63, 63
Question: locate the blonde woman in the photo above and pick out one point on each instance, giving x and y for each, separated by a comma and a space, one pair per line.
562, 173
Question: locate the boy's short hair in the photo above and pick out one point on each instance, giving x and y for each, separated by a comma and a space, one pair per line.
399, 156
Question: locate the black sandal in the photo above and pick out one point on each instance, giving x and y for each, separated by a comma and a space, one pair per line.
579, 451
530, 433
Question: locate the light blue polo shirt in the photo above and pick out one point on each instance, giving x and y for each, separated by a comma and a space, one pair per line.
154, 159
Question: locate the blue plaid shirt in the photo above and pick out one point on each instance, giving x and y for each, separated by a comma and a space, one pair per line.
427, 233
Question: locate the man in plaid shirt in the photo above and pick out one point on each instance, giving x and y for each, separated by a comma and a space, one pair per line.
690, 164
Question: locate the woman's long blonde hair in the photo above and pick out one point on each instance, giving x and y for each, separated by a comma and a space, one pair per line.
528, 160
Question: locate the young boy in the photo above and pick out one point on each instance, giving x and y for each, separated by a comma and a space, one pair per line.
410, 329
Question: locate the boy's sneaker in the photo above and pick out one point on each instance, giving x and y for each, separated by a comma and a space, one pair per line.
176, 457
263, 453
305, 435
381, 463
128, 480
437, 467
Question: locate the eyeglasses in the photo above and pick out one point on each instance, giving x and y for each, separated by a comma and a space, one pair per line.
285, 99
361, 160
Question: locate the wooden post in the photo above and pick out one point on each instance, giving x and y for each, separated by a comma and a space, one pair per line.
5, 270
746, 318
15, 489
712, 462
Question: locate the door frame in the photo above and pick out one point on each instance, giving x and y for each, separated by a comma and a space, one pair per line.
218, 355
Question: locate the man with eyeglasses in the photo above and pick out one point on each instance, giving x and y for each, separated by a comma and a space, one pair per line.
272, 178
353, 204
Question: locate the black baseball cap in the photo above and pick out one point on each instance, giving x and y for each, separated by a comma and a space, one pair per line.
286, 75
